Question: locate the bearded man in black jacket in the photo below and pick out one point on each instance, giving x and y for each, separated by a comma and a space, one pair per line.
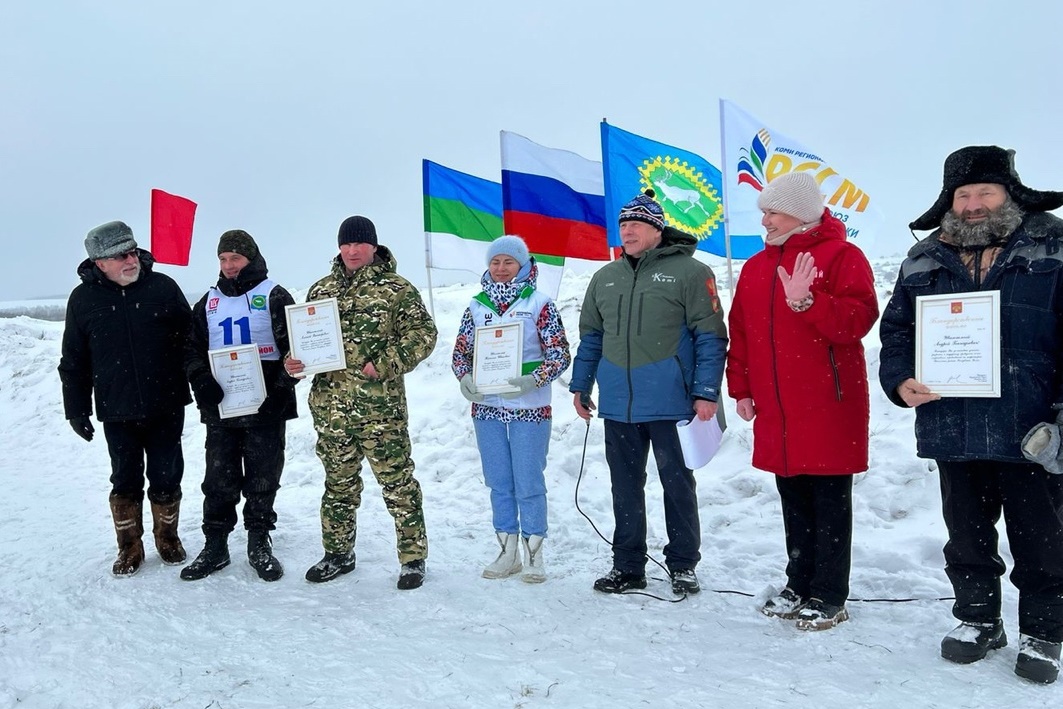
123, 341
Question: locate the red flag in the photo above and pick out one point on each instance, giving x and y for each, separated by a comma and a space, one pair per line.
171, 227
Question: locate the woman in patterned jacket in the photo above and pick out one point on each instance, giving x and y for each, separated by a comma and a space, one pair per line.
513, 427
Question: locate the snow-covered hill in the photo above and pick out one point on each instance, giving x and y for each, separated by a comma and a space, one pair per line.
71, 635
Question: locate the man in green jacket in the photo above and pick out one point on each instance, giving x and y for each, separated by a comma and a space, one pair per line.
360, 412
653, 335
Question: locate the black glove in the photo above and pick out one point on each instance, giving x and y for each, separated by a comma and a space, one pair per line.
208, 392
83, 427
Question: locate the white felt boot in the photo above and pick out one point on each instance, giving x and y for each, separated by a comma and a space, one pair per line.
533, 560
508, 561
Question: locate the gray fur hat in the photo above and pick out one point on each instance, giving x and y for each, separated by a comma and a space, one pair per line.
109, 239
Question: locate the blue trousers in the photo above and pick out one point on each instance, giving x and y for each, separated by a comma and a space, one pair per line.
627, 447
513, 456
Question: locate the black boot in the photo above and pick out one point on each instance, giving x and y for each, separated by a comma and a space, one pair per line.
970, 642
1038, 660
215, 556
260, 555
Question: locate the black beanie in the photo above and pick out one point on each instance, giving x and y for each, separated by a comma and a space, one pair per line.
238, 241
357, 230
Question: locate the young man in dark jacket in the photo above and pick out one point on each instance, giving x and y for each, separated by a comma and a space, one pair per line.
244, 454
125, 331
652, 333
991, 234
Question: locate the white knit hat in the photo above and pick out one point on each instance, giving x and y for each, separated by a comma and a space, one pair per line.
796, 194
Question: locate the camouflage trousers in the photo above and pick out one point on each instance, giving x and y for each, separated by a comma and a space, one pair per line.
342, 444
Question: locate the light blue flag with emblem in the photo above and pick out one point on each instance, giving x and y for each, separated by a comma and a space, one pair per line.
688, 187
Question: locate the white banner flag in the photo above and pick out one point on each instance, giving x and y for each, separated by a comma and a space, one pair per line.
754, 155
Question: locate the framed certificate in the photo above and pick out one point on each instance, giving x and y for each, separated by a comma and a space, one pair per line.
239, 372
316, 336
957, 343
496, 357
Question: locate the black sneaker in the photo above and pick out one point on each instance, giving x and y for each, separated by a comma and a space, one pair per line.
617, 581
685, 581
411, 575
331, 566
819, 615
1038, 660
971, 642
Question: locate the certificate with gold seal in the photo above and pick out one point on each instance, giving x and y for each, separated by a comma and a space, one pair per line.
497, 357
239, 372
315, 335
957, 343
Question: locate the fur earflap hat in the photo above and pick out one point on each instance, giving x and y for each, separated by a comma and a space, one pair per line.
238, 241
977, 164
796, 194
357, 230
643, 208
109, 239
513, 246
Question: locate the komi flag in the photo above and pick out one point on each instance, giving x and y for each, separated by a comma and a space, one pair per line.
553, 199
753, 156
462, 215
688, 187
171, 227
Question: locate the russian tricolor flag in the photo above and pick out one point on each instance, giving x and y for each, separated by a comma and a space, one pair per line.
553, 199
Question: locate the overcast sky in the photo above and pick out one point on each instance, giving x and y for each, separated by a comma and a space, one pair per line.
284, 118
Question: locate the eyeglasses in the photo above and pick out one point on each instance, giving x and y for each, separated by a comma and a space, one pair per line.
123, 256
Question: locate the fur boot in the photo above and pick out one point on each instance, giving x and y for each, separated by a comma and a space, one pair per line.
164, 518
129, 528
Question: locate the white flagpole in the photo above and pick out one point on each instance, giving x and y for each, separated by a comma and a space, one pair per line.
428, 270
726, 218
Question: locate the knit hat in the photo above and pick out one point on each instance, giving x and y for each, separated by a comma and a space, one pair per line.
977, 164
109, 239
513, 246
357, 230
238, 241
796, 194
644, 208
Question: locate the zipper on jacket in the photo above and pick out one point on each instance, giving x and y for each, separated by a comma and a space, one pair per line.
978, 268
682, 376
627, 367
619, 310
837, 377
132, 349
775, 365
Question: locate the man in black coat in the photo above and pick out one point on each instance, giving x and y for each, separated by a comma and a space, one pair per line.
992, 233
124, 339
244, 454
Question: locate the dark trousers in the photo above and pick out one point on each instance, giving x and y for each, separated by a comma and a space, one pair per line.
157, 439
817, 515
973, 496
242, 460
627, 448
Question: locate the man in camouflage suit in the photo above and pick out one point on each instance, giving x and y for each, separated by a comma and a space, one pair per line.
360, 412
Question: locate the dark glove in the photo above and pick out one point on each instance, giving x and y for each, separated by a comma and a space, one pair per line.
83, 427
208, 392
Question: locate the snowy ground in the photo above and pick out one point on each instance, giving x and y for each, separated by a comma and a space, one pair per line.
72, 635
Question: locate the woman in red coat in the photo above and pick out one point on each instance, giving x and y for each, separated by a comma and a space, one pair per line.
796, 369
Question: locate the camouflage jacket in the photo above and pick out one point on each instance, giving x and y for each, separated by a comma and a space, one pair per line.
384, 322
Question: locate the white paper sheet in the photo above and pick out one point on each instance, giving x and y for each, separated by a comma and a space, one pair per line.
699, 440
